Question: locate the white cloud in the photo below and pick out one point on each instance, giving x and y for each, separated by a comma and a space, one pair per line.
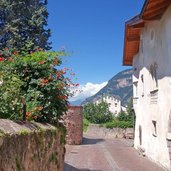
87, 90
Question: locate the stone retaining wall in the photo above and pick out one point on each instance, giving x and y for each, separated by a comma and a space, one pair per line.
95, 129
31, 147
73, 121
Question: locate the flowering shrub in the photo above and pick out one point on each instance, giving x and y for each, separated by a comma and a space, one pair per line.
32, 88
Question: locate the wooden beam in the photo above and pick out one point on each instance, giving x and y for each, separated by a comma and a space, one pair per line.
154, 14
133, 38
139, 25
158, 5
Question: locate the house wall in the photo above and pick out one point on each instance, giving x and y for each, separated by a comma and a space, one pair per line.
114, 104
152, 90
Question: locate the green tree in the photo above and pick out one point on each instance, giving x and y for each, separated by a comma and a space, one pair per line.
32, 87
129, 106
97, 113
23, 25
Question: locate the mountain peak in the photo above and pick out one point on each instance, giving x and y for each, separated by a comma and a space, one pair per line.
119, 86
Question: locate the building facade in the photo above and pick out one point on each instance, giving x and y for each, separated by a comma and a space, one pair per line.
148, 49
114, 103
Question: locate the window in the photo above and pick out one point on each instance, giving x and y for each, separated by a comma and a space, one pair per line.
135, 88
142, 79
115, 104
153, 72
154, 128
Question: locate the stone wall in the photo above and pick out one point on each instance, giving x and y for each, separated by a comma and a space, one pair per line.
31, 146
95, 129
74, 125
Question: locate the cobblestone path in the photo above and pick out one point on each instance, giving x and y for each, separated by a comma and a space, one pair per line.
98, 154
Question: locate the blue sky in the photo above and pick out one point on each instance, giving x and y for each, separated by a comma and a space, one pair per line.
94, 31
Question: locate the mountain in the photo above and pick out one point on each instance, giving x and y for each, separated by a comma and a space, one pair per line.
119, 86
76, 103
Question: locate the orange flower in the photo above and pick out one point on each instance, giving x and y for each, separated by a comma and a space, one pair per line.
15, 53
45, 81
28, 114
58, 74
65, 69
55, 61
35, 117
42, 62
62, 97
40, 108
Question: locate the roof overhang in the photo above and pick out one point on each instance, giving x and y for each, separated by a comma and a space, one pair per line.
152, 10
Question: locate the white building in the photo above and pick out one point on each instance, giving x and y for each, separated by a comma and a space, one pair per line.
114, 103
148, 49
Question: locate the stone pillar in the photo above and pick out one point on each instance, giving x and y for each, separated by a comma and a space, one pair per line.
73, 121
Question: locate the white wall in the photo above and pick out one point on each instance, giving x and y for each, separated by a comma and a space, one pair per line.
114, 104
152, 103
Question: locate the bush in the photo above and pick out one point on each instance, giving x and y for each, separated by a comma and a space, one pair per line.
85, 124
124, 116
97, 113
119, 124
33, 88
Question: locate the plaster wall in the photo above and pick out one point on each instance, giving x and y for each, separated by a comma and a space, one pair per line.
114, 104
152, 90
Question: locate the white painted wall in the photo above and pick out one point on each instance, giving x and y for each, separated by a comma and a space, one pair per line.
114, 104
152, 103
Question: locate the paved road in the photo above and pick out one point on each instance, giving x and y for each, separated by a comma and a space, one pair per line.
97, 154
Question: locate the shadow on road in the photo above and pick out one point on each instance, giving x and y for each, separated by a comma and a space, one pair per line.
68, 167
87, 141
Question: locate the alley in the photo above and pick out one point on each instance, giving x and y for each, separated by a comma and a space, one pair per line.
98, 154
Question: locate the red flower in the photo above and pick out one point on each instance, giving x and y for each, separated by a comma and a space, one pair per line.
42, 62
62, 97
1, 59
77, 85
35, 117
15, 53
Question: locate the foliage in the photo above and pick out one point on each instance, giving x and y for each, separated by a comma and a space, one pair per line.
23, 25
97, 113
124, 116
128, 115
119, 124
33, 88
85, 124
129, 106
124, 119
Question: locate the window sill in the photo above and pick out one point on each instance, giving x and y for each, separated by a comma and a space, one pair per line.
168, 136
154, 135
154, 91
